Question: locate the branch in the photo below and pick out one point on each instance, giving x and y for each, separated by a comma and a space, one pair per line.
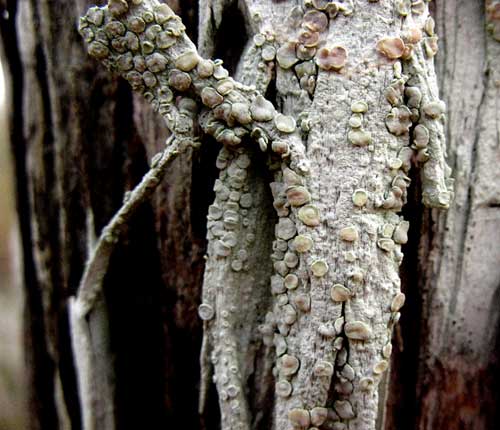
89, 335
97, 266
161, 62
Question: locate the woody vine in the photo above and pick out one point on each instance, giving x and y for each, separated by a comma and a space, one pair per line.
356, 106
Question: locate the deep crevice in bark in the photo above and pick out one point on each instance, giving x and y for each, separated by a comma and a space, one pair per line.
133, 291
107, 170
189, 14
272, 92
229, 49
402, 400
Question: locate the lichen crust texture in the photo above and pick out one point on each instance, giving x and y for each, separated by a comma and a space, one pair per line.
357, 104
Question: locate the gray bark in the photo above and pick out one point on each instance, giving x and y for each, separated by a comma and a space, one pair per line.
279, 356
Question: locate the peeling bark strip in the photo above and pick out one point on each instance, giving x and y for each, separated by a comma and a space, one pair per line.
354, 80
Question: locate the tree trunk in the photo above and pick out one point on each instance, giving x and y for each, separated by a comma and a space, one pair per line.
82, 140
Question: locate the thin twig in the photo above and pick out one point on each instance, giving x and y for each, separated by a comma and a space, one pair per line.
97, 266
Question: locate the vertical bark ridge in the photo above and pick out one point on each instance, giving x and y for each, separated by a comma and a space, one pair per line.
40, 367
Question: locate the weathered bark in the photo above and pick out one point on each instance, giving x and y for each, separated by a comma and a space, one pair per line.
81, 141
140, 329
460, 274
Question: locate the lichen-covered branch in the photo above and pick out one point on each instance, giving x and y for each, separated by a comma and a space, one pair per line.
237, 272
145, 42
427, 111
353, 79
